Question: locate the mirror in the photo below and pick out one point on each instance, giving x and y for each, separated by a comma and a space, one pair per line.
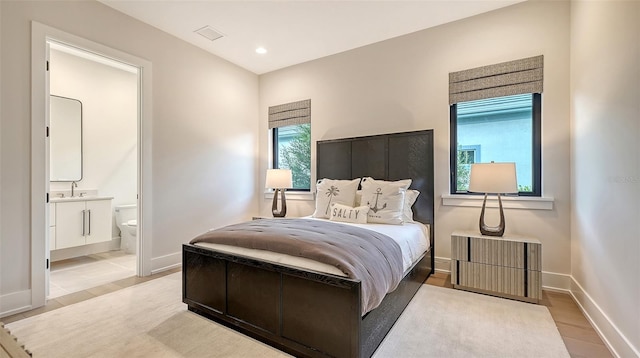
65, 139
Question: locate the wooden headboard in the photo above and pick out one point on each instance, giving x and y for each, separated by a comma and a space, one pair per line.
392, 156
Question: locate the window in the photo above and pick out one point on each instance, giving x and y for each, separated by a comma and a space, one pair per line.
507, 129
497, 108
469, 154
292, 150
290, 126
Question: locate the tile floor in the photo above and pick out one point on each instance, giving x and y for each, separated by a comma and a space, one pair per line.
86, 272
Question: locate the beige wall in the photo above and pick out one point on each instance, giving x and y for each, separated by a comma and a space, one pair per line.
203, 128
402, 85
205, 132
605, 113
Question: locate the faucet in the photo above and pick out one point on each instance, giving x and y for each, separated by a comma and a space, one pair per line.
73, 184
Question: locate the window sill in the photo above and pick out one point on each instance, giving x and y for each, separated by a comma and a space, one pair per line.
508, 202
292, 195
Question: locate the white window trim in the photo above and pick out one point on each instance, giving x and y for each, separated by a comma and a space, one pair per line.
292, 195
508, 202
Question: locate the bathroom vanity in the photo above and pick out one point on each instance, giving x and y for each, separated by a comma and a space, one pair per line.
78, 221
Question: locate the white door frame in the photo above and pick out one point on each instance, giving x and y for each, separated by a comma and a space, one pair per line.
40, 34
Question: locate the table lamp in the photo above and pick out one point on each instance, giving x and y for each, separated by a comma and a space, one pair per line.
279, 180
493, 178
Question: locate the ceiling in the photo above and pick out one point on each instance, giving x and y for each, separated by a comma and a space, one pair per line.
295, 31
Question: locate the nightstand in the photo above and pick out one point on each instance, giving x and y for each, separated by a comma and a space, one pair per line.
508, 266
269, 217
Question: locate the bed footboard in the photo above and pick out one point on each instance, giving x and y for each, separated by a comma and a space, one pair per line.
299, 312
304, 313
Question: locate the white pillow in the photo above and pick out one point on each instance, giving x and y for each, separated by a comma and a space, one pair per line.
358, 198
329, 191
385, 200
349, 214
410, 197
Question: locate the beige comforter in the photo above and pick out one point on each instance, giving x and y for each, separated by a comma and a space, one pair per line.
365, 255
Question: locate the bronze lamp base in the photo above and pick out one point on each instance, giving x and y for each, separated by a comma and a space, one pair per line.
492, 230
274, 207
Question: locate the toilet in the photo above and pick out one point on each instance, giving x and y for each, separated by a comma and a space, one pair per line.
126, 219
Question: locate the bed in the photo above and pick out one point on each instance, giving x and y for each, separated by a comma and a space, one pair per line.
307, 312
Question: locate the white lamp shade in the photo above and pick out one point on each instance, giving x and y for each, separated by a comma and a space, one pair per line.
278, 179
493, 178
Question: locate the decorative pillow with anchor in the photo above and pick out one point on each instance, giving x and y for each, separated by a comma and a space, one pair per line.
385, 200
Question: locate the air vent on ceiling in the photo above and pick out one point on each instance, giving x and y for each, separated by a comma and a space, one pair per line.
209, 32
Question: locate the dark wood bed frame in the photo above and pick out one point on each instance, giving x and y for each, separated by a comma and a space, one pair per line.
308, 313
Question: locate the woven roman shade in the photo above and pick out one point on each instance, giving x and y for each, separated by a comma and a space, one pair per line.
290, 114
502, 79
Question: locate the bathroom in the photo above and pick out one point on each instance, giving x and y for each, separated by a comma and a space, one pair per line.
93, 166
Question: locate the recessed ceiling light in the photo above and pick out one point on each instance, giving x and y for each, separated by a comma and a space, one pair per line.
261, 50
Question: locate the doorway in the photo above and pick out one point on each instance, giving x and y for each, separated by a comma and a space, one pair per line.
93, 139
43, 190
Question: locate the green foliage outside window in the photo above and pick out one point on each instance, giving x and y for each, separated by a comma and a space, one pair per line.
297, 157
463, 164
524, 188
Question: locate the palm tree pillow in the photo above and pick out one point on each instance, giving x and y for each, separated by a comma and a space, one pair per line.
385, 200
330, 191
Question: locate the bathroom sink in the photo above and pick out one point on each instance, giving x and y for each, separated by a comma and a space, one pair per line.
78, 198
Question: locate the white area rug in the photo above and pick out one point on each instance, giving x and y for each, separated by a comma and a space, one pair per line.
443, 322
149, 320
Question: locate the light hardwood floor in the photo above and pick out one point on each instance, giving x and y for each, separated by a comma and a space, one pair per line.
578, 335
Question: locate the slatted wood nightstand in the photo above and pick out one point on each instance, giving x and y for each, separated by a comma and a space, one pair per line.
270, 217
507, 266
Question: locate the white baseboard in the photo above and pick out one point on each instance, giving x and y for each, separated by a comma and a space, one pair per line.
443, 264
166, 262
14, 302
616, 341
550, 280
554, 281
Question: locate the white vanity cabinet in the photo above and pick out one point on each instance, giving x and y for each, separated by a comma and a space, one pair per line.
82, 222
